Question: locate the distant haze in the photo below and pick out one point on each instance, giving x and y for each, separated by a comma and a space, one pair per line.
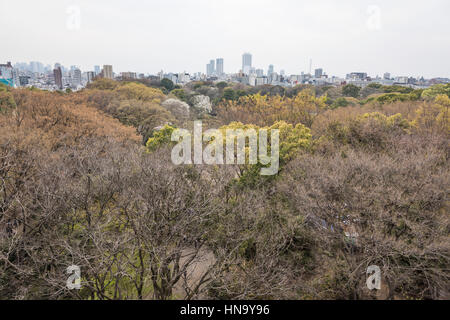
403, 37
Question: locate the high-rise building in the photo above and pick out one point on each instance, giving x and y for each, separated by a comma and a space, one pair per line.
318, 73
246, 63
57, 73
387, 76
90, 76
97, 70
76, 77
107, 72
259, 72
356, 76
129, 75
270, 70
36, 67
219, 66
210, 68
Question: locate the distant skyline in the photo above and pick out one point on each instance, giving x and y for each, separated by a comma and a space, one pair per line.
405, 38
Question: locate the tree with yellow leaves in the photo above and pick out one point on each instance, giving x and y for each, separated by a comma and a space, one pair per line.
434, 116
264, 110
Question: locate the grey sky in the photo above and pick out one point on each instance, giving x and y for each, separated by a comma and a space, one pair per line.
411, 37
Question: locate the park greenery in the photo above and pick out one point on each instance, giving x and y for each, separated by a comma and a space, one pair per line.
86, 179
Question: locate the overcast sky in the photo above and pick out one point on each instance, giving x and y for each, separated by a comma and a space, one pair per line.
403, 37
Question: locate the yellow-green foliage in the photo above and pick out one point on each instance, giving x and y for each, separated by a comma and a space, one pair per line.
104, 84
394, 97
141, 92
160, 138
140, 113
436, 90
389, 122
264, 110
368, 130
434, 116
292, 138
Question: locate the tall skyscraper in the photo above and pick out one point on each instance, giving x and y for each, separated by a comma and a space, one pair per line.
210, 68
318, 73
36, 66
97, 70
219, 66
270, 70
76, 77
107, 72
246, 63
57, 73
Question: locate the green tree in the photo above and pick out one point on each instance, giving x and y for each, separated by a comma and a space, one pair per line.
340, 102
222, 85
229, 94
167, 83
350, 90
180, 94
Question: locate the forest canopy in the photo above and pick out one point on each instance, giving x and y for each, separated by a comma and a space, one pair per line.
86, 179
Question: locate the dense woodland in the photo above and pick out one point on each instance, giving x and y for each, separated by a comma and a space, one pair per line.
86, 179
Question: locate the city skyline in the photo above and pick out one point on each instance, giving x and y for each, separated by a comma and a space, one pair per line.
215, 68
373, 37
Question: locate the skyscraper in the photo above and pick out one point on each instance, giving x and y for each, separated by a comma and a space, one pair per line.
97, 70
36, 66
76, 77
57, 73
219, 66
107, 72
210, 68
318, 73
246, 63
270, 70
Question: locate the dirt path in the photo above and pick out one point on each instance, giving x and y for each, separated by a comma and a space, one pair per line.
196, 270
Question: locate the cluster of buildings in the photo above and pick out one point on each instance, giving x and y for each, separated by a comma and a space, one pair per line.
58, 77
252, 76
215, 68
36, 74
361, 79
